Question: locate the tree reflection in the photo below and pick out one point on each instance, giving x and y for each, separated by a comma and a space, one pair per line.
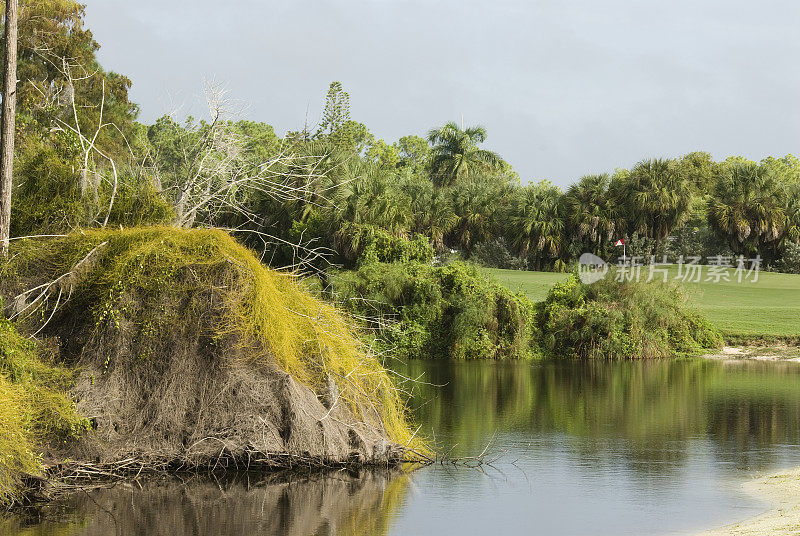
652, 408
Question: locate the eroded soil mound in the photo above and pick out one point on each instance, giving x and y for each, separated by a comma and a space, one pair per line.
189, 350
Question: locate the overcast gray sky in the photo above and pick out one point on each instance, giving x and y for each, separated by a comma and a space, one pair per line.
565, 87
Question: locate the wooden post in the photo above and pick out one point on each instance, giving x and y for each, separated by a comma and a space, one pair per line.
8, 122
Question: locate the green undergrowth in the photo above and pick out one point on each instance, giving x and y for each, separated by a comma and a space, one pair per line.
628, 320
451, 311
270, 314
34, 409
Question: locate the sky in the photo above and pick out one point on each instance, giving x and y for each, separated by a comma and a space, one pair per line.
565, 87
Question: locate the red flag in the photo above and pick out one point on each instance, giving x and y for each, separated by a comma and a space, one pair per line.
620, 242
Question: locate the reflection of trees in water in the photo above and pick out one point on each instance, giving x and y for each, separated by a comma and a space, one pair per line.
641, 414
648, 409
324, 505
35, 523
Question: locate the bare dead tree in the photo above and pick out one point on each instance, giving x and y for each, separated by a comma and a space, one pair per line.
218, 177
8, 124
215, 177
89, 149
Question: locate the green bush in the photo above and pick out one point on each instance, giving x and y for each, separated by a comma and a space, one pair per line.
496, 253
790, 262
357, 244
449, 311
48, 200
385, 247
620, 320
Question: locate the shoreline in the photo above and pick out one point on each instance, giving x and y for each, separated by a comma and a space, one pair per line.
786, 353
781, 491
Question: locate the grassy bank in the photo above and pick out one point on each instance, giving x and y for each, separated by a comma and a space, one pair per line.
767, 309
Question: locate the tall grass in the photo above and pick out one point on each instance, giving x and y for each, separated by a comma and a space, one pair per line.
34, 409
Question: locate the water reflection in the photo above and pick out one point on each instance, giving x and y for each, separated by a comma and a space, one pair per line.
326, 505
584, 448
651, 447
747, 409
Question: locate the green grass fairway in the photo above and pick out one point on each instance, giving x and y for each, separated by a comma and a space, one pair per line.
767, 308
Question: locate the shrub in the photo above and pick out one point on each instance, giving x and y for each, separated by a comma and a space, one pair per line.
620, 320
790, 262
48, 200
496, 254
384, 247
447, 311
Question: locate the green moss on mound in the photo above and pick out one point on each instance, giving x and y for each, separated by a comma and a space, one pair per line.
132, 299
34, 409
627, 320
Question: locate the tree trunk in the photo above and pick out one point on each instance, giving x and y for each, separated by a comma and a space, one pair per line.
8, 121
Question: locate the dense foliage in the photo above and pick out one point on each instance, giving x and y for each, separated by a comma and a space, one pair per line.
329, 194
447, 311
631, 320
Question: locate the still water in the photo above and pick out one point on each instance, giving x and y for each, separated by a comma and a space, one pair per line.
575, 449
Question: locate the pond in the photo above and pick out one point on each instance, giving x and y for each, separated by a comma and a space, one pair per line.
602, 448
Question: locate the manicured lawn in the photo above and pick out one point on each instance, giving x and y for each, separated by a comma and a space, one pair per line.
534, 284
769, 307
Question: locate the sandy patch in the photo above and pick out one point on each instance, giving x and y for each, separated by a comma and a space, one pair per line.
729, 350
757, 353
782, 491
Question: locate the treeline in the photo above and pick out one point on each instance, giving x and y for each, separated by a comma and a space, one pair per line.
379, 223
330, 193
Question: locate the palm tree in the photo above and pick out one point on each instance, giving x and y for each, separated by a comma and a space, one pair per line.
748, 208
793, 214
455, 153
474, 203
368, 200
590, 211
657, 197
371, 197
538, 221
431, 209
